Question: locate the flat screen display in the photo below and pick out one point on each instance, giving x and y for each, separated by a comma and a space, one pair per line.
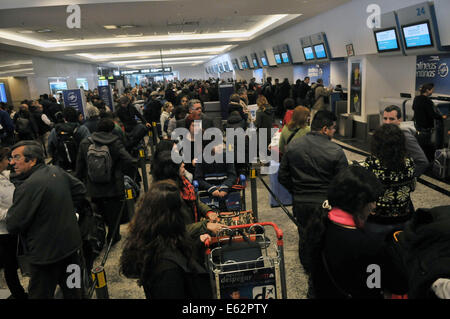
3, 93
285, 57
255, 63
220, 68
264, 61
58, 87
226, 66
244, 64
386, 40
320, 51
102, 82
308, 52
417, 35
278, 58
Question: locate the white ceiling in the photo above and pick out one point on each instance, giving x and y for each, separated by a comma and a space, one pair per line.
196, 29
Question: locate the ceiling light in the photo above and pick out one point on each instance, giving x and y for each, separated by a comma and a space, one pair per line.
17, 70
25, 31
43, 30
16, 63
231, 31
110, 27
127, 26
143, 54
128, 35
165, 59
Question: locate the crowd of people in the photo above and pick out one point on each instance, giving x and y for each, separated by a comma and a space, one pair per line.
346, 213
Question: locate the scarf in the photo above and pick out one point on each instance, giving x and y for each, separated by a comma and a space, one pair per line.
339, 216
188, 194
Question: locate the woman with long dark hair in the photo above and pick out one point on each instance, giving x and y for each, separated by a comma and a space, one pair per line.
201, 218
159, 251
337, 251
395, 170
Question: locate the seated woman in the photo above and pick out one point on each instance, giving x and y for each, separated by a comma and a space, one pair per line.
159, 251
338, 253
216, 178
395, 170
297, 127
165, 168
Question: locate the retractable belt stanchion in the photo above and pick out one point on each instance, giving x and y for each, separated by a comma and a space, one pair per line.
150, 141
99, 277
143, 164
254, 191
130, 202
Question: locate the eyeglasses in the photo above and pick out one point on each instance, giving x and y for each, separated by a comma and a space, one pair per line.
16, 157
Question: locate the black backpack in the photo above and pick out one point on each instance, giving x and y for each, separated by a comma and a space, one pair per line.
22, 125
67, 146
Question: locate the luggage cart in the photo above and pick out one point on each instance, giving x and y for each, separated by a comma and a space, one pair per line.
247, 266
234, 201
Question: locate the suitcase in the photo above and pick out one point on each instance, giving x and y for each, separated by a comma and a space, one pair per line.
282, 193
237, 218
441, 164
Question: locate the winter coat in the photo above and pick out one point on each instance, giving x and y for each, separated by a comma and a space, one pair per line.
43, 215
6, 199
121, 163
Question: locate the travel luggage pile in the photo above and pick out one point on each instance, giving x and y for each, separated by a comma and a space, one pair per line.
245, 264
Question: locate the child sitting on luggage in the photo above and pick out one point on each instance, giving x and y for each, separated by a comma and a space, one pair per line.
216, 178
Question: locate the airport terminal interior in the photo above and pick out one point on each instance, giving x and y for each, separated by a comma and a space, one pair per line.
340, 85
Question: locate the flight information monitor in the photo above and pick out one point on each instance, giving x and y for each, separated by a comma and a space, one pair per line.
308, 52
278, 58
264, 61
320, 51
417, 35
386, 40
3, 93
285, 57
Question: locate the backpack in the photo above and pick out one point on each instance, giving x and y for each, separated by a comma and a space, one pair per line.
22, 125
99, 162
311, 97
67, 147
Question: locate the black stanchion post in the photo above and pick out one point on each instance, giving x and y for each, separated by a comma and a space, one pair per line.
143, 164
150, 141
155, 133
254, 191
101, 287
130, 202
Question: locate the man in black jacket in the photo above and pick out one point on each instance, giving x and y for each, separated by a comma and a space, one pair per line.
107, 196
425, 113
309, 165
43, 215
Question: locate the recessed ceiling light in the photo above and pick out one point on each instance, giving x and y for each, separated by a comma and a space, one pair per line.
110, 27
231, 31
128, 35
25, 31
43, 30
127, 26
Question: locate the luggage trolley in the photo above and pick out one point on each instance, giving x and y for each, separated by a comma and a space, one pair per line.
247, 266
234, 202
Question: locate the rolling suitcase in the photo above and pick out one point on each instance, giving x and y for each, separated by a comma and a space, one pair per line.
441, 164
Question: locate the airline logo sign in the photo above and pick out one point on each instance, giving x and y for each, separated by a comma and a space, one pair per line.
435, 69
